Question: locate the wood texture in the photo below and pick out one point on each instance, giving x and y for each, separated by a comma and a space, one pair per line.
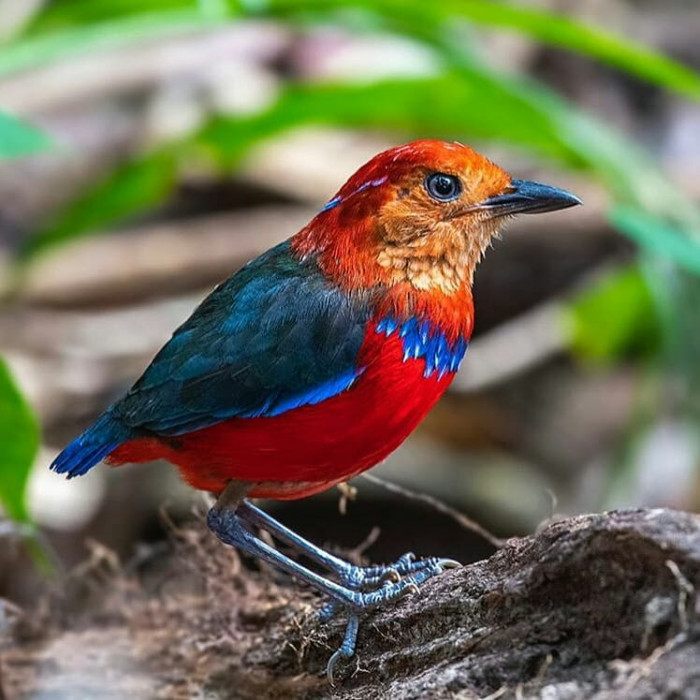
596, 606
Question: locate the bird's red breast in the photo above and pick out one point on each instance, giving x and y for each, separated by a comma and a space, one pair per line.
311, 448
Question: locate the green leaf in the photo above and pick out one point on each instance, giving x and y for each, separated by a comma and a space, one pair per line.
19, 139
41, 49
68, 14
543, 25
19, 442
558, 30
614, 316
133, 188
451, 105
658, 236
78, 26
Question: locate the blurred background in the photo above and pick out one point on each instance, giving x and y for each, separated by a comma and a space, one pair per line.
152, 147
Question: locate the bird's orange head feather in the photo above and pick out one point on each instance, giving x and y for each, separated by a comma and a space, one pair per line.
384, 227
413, 223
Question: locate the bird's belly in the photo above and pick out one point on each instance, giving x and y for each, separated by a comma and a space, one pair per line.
310, 448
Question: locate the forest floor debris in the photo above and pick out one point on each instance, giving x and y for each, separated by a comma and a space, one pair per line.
597, 606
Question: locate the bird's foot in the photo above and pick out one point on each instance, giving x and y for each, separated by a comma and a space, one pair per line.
369, 577
374, 586
373, 578
352, 588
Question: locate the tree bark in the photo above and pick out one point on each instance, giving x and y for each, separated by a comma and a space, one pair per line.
596, 606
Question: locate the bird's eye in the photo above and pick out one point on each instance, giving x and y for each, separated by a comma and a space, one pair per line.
443, 187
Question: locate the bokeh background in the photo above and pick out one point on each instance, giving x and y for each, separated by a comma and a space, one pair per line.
151, 147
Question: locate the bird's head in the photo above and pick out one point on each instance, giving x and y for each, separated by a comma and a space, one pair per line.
420, 216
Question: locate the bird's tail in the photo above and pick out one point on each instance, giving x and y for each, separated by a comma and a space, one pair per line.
90, 448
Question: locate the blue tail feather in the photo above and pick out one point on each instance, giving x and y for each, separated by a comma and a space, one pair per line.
90, 448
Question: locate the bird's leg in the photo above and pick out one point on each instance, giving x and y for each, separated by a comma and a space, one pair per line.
228, 526
358, 577
259, 518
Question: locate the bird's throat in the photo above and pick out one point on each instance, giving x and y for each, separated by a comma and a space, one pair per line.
442, 260
425, 272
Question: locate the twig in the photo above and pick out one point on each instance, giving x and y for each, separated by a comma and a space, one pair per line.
685, 591
440, 507
643, 667
347, 493
356, 553
102, 563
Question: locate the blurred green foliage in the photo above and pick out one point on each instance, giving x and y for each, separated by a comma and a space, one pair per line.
467, 98
19, 430
546, 26
658, 237
73, 26
19, 437
135, 187
606, 321
634, 309
19, 139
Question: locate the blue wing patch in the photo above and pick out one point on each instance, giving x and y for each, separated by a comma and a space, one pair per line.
275, 336
315, 395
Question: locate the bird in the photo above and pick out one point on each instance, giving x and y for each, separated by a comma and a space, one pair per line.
317, 359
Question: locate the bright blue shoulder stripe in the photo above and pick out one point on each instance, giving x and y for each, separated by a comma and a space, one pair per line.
422, 339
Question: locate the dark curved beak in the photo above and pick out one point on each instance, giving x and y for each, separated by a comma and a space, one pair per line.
525, 197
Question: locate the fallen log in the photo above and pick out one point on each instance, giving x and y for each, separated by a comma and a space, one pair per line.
595, 606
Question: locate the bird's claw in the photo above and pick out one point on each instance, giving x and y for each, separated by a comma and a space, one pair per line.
391, 575
372, 586
372, 577
362, 600
450, 564
411, 589
347, 649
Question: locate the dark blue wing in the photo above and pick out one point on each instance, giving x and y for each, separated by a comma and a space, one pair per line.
275, 336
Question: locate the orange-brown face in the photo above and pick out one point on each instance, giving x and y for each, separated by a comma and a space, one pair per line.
431, 230
421, 215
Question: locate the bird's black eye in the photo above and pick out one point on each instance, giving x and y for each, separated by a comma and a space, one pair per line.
443, 187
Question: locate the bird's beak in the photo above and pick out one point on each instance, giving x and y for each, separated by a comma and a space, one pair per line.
525, 197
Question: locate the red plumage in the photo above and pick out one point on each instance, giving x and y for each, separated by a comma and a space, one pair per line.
313, 447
